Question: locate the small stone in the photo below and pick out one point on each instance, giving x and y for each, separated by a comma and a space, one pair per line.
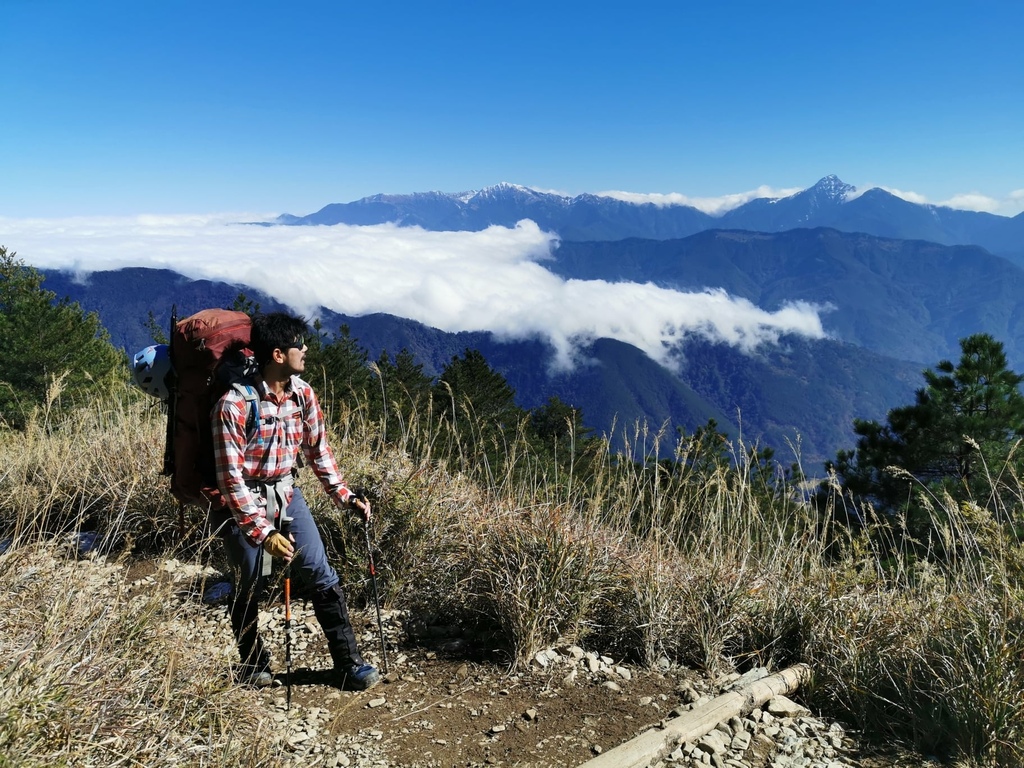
530, 714
646, 701
740, 742
624, 673
712, 743
688, 693
780, 706
497, 728
611, 685
374, 703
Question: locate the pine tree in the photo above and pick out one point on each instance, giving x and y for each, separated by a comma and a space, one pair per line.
968, 413
480, 405
43, 340
343, 366
403, 388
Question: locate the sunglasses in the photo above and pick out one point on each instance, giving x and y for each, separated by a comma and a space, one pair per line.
297, 344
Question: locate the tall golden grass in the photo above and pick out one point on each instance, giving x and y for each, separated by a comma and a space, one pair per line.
716, 569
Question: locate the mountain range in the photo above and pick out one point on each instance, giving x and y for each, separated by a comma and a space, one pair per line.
798, 392
829, 203
892, 305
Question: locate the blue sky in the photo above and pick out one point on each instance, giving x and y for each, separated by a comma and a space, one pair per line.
125, 108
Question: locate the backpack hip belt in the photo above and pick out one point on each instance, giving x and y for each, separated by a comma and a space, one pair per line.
277, 493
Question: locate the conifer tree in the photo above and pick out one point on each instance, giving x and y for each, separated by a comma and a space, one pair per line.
967, 413
342, 364
42, 340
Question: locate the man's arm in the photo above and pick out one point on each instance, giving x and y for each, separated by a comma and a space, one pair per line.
317, 451
229, 441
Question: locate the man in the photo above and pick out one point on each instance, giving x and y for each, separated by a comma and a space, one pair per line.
255, 466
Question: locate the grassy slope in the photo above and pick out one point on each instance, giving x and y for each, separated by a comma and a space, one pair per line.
711, 570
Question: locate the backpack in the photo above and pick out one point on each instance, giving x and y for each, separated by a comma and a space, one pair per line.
209, 354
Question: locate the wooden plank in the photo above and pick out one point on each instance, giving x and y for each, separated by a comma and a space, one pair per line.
641, 751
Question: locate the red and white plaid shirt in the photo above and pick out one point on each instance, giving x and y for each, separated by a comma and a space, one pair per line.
289, 422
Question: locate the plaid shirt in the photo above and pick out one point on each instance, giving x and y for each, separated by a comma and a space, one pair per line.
288, 422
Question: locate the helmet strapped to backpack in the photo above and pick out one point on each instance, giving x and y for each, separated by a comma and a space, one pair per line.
150, 367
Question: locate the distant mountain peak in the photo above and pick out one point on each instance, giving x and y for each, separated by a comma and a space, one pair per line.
833, 188
502, 190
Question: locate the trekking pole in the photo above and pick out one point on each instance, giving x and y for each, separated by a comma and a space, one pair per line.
376, 597
285, 520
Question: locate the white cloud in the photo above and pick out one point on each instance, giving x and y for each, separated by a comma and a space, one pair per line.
910, 197
973, 201
1011, 205
492, 280
714, 206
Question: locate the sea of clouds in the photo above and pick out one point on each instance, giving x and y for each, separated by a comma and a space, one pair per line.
494, 280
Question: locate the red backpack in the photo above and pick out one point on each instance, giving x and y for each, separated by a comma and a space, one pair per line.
209, 354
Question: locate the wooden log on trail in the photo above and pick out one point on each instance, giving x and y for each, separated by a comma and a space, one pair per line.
646, 748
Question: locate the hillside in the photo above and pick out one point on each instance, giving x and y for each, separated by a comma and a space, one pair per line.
906, 299
806, 392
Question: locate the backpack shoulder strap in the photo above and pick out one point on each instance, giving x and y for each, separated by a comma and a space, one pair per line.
252, 398
299, 388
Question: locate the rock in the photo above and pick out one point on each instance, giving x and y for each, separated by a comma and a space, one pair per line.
688, 693
611, 685
374, 703
624, 673
780, 706
530, 714
740, 742
713, 743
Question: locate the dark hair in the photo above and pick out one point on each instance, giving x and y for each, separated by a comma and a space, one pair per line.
276, 330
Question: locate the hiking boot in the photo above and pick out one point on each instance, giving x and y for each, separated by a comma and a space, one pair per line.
357, 677
351, 671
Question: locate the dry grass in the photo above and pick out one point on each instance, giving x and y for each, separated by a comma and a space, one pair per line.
96, 676
714, 569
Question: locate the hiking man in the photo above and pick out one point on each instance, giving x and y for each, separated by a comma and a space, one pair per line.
255, 470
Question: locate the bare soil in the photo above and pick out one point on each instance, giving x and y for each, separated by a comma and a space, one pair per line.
447, 700
446, 711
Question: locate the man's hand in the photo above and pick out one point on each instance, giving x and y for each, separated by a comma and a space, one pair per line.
360, 503
279, 546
